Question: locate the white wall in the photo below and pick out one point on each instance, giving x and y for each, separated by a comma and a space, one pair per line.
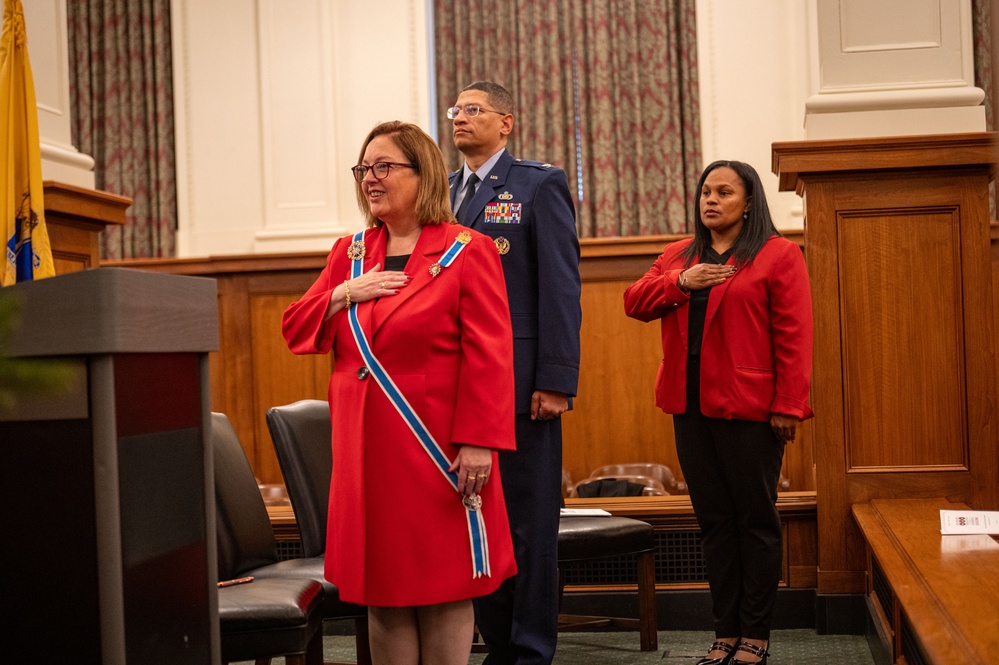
272, 101
754, 61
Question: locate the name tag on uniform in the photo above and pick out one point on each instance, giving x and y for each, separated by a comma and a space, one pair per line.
503, 213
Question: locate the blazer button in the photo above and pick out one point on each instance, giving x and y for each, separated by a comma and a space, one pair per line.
363, 373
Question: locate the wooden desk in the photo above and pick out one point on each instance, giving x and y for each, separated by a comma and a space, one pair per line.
934, 598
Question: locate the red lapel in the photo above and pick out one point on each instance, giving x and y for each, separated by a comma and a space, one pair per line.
429, 248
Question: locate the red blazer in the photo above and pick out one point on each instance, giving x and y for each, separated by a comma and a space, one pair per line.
397, 533
756, 352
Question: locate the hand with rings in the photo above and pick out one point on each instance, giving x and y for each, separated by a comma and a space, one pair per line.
377, 283
472, 464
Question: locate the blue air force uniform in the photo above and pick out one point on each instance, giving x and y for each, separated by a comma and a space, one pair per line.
527, 210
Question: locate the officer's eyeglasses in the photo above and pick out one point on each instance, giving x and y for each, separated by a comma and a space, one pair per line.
379, 169
471, 110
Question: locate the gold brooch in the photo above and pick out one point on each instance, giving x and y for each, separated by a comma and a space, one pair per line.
473, 502
502, 245
505, 196
356, 250
435, 269
464, 237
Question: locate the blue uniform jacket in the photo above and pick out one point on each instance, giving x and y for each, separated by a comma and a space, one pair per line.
526, 208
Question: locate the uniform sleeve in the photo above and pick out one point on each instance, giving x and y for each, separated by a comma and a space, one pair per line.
304, 324
559, 309
656, 292
484, 413
791, 330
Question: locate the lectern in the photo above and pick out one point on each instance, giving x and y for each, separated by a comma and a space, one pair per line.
108, 549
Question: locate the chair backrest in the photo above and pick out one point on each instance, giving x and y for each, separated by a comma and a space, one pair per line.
659, 472
243, 529
301, 433
612, 486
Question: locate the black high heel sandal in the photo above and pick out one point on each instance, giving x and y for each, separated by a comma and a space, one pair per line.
729, 650
751, 649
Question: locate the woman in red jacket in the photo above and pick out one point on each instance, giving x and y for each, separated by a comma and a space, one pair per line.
415, 312
736, 316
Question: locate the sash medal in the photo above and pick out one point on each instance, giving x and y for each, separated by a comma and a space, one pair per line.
476, 524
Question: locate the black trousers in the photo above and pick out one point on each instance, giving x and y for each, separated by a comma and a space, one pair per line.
519, 621
732, 468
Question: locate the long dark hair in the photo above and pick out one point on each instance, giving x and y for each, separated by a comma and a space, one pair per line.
757, 228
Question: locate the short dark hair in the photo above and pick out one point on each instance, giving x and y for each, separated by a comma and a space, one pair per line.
499, 97
757, 228
433, 202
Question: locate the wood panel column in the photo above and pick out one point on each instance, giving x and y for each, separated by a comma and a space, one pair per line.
904, 383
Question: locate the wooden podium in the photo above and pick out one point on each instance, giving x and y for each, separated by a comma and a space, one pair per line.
109, 533
904, 386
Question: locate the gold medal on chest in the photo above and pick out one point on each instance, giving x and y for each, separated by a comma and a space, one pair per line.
505, 196
356, 250
464, 237
435, 269
502, 245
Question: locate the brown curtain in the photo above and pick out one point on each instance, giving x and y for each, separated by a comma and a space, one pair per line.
121, 87
606, 89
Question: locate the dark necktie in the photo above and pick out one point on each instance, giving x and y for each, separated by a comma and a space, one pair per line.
466, 197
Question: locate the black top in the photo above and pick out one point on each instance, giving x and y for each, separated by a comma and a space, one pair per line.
396, 262
699, 305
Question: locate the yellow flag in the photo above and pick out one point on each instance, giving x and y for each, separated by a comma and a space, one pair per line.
28, 254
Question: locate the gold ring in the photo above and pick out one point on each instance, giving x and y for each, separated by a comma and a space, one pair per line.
472, 476
383, 285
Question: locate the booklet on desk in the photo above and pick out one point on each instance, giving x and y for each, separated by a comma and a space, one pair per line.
583, 512
969, 521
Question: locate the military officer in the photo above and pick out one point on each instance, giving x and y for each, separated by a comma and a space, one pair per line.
526, 208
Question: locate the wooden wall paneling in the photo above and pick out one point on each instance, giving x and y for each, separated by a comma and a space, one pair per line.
614, 418
903, 387
279, 376
903, 360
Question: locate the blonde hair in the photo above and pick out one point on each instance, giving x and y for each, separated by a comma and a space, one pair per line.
433, 199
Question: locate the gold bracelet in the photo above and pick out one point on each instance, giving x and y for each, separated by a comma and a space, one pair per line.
683, 281
346, 288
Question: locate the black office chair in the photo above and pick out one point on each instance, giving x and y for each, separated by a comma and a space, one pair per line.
587, 538
301, 434
272, 615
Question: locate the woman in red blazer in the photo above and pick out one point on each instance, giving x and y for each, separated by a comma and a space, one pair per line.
415, 312
736, 316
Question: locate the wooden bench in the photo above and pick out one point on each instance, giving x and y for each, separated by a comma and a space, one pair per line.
933, 599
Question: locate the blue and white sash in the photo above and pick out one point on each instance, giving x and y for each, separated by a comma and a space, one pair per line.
476, 524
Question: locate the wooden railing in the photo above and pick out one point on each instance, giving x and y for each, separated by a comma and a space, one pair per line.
934, 599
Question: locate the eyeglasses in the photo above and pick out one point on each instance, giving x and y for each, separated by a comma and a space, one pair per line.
379, 169
471, 110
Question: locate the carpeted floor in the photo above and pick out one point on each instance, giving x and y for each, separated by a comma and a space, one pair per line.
788, 647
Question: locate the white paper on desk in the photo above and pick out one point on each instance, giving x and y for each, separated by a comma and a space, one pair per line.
969, 521
583, 512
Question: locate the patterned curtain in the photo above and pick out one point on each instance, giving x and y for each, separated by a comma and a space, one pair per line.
606, 89
981, 18
982, 26
121, 87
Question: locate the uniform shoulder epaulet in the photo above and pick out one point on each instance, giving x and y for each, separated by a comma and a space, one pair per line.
531, 162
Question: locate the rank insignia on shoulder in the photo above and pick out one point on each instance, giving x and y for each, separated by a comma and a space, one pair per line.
435, 269
356, 250
505, 196
464, 237
502, 245
546, 165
